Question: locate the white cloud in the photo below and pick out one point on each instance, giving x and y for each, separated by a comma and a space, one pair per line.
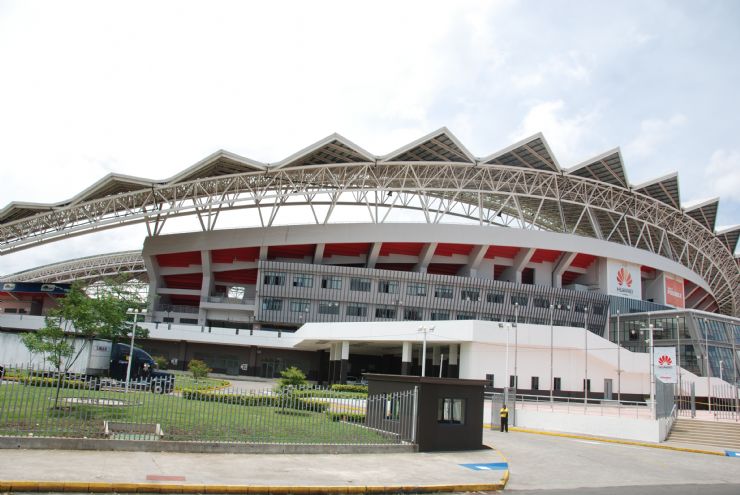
723, 174
653, 133
567, 135
559, 69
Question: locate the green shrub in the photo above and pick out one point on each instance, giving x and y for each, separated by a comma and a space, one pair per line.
198, 368
328, 393
162, 362
346, 416
292, 377
46, 381
360, 389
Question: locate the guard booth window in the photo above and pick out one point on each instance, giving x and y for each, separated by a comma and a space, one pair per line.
556, 384
451, 411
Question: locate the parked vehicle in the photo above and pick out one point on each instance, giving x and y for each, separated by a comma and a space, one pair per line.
98, 360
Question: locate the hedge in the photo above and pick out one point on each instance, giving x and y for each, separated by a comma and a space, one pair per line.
345, 416
41, 381
258, 400
361, 389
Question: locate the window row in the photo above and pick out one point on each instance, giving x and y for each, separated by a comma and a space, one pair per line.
415, 289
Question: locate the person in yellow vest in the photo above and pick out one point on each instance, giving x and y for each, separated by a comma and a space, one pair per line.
504, 414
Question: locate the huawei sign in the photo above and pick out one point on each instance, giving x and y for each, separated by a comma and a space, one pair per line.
665, 361
624, 278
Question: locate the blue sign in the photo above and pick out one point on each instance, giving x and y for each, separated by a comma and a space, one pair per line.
33, 287
732, 453
491, 466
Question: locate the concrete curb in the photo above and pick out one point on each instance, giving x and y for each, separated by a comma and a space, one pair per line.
617, 441
97, 487
99, 444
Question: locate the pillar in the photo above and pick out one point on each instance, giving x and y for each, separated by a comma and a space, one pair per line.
453, 367
406, 357
332, 362
343, 348
436, 360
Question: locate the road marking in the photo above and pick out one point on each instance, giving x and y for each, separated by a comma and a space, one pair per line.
490, 466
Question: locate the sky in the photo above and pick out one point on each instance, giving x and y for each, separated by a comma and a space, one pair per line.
150, 88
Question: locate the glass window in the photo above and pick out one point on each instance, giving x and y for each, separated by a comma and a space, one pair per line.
302, 280
443, 291
512, 381
274, 278
299, 305
468, 294
541, 302
587, 383
557, 383
440, 315
535, 383
359, 284
466, 316
328, 307
388, 286
357, 310
387, 312
519, 299
414, 314
416, 290
328, 282
451, 411
495, 297
490, 317
272, 304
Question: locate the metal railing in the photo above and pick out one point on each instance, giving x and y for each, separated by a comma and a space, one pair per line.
176, 308
37, 403
723, 402
576, 405
231, 300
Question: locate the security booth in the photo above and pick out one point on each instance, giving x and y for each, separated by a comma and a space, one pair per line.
449, 411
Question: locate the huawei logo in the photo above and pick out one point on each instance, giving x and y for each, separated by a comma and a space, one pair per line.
665, 361
624, 278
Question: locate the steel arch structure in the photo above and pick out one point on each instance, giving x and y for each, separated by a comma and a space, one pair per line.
484, 193
89, 269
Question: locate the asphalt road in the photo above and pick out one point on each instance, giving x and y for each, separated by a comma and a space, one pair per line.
563, 465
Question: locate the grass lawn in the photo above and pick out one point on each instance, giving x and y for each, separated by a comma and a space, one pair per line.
28, 410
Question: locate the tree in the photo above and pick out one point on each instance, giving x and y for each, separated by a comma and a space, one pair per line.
199, 369
292, 377
80, 318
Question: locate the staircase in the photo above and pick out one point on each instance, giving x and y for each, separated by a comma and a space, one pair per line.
714, 433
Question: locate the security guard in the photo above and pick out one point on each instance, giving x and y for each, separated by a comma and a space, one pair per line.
504, 414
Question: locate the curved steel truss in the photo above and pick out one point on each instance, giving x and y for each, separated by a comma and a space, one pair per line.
483, 193
90, 268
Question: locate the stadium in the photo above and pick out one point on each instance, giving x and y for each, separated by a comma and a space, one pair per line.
509, 267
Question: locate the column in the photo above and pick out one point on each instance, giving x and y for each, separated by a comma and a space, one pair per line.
332, 362
406, 357
436, 363
343, 360
453, 369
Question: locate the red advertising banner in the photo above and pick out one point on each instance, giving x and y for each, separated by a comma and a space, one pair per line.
674, 295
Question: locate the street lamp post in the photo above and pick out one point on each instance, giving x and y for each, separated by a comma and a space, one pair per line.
585, 340
552, 383
619, 363
720, 369
507, 326
134, 312
424, 330
516, 347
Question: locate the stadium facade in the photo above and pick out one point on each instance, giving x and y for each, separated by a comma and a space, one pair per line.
349, 254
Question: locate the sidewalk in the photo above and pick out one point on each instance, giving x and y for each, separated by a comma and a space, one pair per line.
130, 472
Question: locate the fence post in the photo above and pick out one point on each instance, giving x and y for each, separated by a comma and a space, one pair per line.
415, 414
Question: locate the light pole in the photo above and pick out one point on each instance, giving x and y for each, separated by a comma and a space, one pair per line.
134, 312
424, 330
585, 340
706, 366
516, 347
552, 383
507, 326
619, 362
720, 369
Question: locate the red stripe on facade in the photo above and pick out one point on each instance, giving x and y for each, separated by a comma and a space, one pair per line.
443, 268
501, 252
583, 260
570, 277
235, 254
407, 248
346, 249
296, 251
450, 249
192, 281
544, 255
399, 267
247, 276
179, 259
